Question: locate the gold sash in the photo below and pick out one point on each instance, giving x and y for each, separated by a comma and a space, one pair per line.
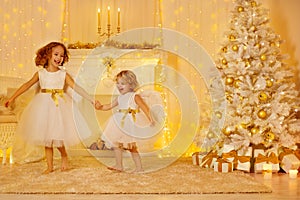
54, 93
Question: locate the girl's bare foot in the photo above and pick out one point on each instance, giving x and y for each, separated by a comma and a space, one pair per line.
48, 171
64, 163
116, 169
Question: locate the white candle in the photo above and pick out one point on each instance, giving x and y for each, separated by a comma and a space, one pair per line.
293, 173
108, 15
118, 17
267, 168
99, 18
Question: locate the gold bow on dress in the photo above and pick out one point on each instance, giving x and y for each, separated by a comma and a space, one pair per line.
131, 111
54, 93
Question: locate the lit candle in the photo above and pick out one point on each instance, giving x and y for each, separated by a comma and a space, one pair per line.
267, 171
108, 15
118, 17
293, 173
99, 18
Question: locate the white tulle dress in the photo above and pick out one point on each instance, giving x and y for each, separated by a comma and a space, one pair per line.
51, 119
130, 125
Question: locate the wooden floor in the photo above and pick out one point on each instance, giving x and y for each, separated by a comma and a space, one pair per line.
283, 188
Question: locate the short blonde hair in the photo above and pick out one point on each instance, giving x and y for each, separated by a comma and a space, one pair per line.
129, 77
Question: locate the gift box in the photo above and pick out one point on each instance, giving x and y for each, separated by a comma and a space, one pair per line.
204, 159
208, 160
243, 159
195, 158
289, 162
229, 153
259, 160
223, 166
273, 160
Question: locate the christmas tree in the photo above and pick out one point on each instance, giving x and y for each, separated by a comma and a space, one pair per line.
261, 97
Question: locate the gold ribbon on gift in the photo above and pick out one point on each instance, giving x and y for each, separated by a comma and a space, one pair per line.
195, 156
286, 151
221, 161
54, 93
230, 154
272, 158
243, 159
207, 160
131, 111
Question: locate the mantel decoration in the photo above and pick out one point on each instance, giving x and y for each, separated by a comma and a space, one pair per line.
113, 43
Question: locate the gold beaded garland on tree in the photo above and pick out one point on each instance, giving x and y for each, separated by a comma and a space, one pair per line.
262, 114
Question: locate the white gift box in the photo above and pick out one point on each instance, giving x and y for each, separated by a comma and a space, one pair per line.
243, 159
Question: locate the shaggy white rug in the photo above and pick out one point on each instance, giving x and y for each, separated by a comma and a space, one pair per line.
89, 176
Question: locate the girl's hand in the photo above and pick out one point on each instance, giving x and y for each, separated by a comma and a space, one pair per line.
7, 103
98, 105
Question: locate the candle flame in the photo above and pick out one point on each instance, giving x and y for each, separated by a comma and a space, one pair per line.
98, 10
108, 7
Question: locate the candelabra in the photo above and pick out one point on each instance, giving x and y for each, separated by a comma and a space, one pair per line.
109, 32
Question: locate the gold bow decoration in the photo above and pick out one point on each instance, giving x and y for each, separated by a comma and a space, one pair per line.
131, 111
220, 162
54, 93
230, 154
244, 159
272, 158
286, 151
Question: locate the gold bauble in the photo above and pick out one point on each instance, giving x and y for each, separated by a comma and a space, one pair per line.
224, 61
269, 83
244, 125
229, 80
257, 45
253, 3
263, 96
219, 114
231, 37
254, 130
270, 136
240, 9
237, 83
235, 47
224, 49
210, 135
263, 57
262, 114
227, 131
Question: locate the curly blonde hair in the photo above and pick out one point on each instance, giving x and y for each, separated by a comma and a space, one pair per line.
45, 53
129, 77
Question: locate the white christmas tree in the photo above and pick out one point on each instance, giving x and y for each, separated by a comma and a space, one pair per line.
260, 93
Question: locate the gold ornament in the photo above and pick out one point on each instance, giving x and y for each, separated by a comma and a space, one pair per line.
240, 9
269, 82
257, 45
244, 125
262, 114
231, 37
229, 80
224, 49
237, 83
224, 61
263, 96
219, 114
210, 135
269, 136
227, 131
253, 3
254, 130
235, 47
263, 57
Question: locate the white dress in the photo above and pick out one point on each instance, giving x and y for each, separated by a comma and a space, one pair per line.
129, 124
45, 122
